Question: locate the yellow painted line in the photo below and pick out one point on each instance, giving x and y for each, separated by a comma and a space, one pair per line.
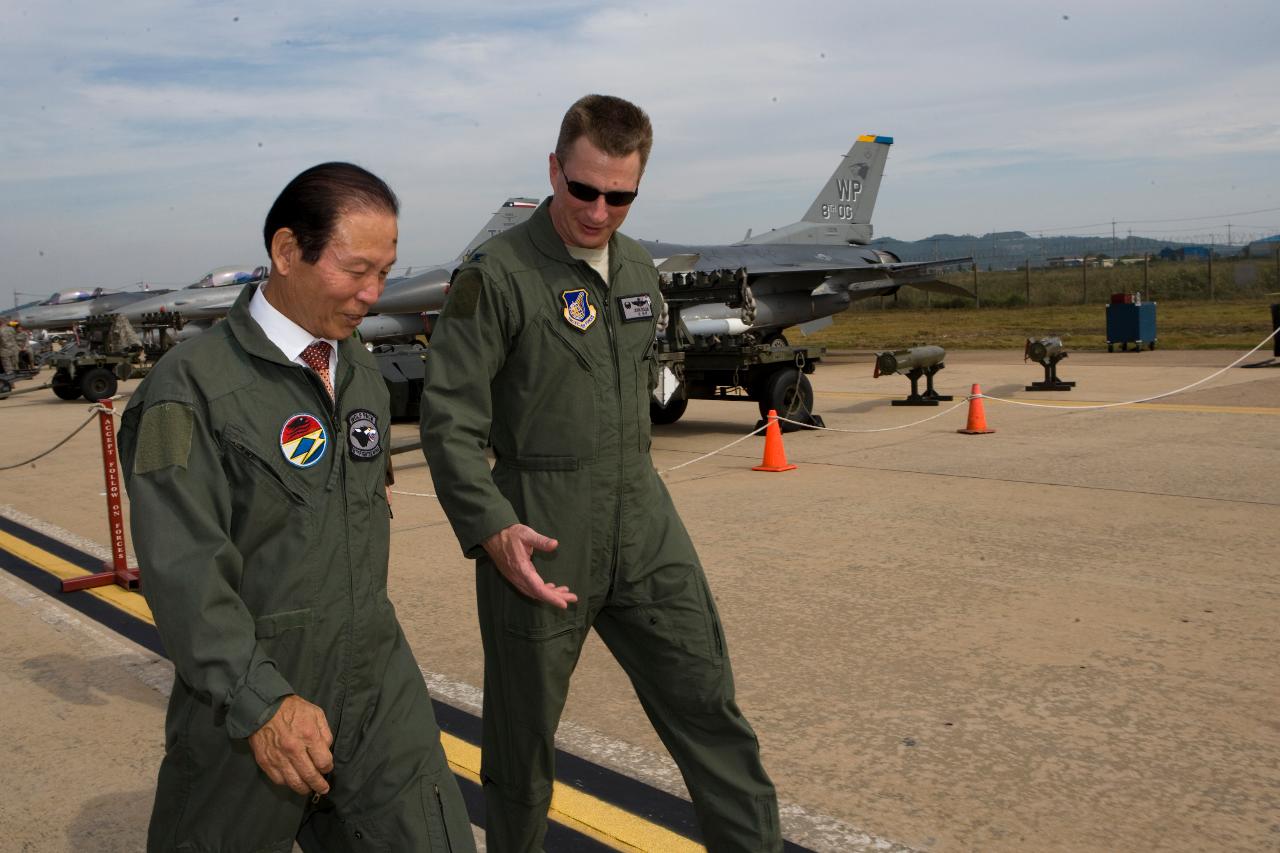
619, 827
117, 596
579, 811
1155, 407
462, 756
1163, 407
582, 812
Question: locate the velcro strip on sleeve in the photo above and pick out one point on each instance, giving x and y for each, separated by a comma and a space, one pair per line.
464, 294
164, 438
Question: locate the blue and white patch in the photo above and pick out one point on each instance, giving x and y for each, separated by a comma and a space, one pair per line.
578, 310
363, 439
303, 440
637, 307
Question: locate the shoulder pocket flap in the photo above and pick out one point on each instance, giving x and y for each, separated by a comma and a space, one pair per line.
275, 624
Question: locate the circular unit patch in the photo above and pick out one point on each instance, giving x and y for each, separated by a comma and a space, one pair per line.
303, 440
362, 434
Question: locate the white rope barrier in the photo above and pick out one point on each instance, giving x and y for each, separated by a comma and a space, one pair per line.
94, 410
665, 471
755, 431
969, 397
414, 494
1211, 376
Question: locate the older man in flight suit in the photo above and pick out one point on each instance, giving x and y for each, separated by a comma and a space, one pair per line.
545, 350
255, 461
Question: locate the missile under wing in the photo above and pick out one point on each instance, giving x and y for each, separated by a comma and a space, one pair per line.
807, 271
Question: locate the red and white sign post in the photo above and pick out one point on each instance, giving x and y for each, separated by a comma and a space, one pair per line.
119, 573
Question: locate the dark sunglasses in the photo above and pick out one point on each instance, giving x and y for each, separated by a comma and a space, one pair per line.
588, 193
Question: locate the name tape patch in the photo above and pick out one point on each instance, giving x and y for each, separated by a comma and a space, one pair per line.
637, 307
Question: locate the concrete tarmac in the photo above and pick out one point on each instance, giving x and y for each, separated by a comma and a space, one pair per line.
1060, 636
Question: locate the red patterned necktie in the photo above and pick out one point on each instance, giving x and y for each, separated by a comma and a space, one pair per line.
316, 356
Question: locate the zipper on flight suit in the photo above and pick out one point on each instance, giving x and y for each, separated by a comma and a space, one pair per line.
339, 475
444, 820
617, 376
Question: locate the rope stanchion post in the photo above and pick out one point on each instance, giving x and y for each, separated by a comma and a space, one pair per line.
118, 571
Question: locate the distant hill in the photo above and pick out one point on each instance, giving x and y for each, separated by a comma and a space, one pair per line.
1003, 250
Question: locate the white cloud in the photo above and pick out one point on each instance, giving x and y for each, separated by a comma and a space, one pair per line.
146, 139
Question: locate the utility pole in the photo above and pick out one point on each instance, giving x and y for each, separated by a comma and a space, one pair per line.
1084, 280
976, 298
1028, 281
1113, 238
1211, 299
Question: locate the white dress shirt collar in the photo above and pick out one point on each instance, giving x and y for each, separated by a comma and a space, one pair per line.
290, 338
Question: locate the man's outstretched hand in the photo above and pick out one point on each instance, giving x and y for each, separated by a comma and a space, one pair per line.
511, 549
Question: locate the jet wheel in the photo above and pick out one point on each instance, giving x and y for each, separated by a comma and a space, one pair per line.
97, 384
668, 414
64, 387
788, 392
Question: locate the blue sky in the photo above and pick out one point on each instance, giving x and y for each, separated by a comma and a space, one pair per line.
144, 140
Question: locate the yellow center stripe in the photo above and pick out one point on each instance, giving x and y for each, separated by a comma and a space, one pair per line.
602, 821
1155, 407
130, 602
580, 811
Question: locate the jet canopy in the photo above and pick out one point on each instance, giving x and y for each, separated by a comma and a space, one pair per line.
222, 276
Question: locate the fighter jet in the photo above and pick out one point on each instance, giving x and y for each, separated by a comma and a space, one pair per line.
408, 304
805, 272
63, 310
398, 313
202, 302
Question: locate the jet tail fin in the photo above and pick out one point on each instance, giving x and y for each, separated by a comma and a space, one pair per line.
513, 212
841, 213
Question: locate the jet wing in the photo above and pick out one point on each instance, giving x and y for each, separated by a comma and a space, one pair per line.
677, 263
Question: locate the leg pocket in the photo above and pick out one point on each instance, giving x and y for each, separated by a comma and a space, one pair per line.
429, 817
445, 814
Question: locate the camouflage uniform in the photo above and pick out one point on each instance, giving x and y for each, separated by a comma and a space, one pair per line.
8, 349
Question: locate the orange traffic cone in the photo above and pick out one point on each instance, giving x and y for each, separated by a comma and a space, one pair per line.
775, 458
977, 417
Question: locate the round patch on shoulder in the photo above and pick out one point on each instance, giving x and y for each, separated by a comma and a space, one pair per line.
303, 440
363, 439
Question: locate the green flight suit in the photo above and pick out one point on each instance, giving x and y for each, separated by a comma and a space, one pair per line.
261, 525
536, 356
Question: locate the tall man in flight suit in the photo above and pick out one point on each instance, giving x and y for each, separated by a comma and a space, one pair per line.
255, 458
545, 351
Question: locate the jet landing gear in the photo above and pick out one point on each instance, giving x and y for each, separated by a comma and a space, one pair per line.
788, 392
773, 377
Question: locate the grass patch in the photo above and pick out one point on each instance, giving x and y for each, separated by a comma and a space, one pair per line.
1190, 324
